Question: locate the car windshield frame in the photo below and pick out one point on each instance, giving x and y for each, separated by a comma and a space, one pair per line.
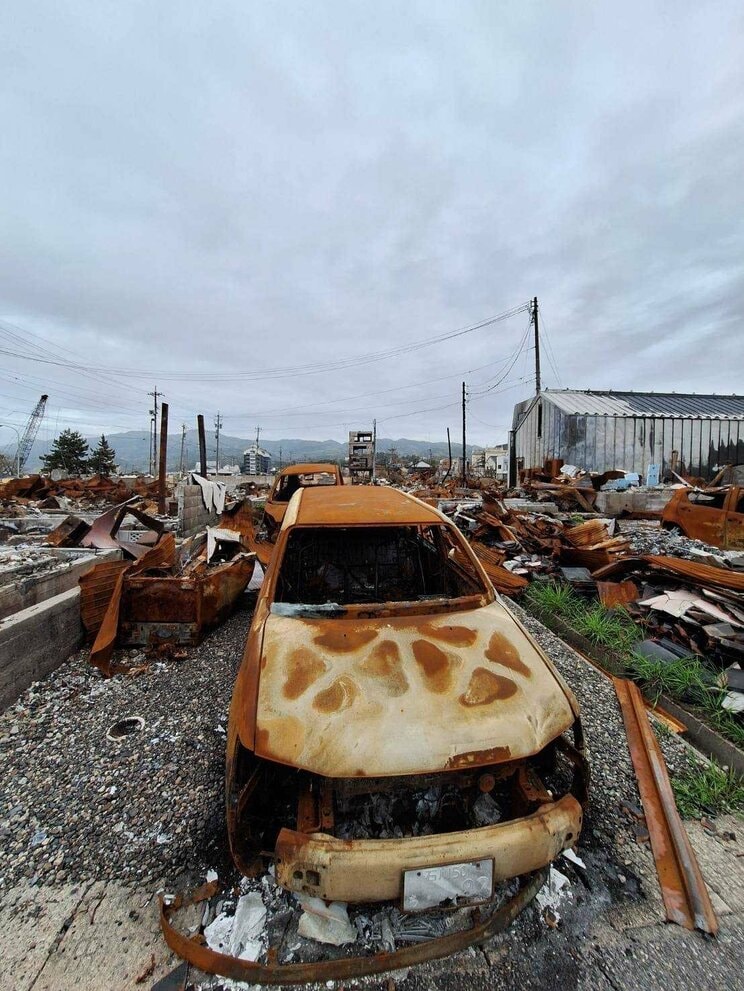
476, 589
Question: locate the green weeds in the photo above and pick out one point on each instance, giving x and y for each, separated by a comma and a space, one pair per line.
712, 790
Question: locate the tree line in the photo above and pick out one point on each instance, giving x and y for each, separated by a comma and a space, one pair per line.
70, 453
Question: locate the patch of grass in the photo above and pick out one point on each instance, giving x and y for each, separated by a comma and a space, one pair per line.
688, 681
711, 790
554, 597
610, 628
684, 679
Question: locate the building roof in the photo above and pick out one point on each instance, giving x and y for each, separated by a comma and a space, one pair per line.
358, 505
654, 404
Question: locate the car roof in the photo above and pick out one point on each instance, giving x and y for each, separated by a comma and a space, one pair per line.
309, 468
358, 505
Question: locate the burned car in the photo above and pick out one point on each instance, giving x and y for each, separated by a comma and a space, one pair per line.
713, 515
290, 480
392, 724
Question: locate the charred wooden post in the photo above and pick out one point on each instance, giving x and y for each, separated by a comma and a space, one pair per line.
163, 457
202, 446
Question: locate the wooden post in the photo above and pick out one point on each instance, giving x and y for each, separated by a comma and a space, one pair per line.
202, 445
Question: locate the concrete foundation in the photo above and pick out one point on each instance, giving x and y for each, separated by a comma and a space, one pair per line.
35, 641
633, 501
21, 590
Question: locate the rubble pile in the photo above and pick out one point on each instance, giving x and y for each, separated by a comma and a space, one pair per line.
513, 545
42, 492
686, 597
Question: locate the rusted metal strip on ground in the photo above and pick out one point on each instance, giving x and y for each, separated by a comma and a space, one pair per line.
209, 961
683, 889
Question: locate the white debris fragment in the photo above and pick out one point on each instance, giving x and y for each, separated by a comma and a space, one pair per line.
569, 854
217, 933
248, 924
239, 935
325, 923
212, 875
555, 891
733, 701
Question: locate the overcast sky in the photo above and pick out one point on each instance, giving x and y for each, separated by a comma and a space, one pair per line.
193, 193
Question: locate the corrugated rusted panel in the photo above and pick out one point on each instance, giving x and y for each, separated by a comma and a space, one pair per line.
614, 594
503, 580
96, 588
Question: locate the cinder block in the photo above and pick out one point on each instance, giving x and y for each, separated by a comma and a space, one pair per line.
35, 641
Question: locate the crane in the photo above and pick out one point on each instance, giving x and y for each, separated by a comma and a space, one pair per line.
29, 434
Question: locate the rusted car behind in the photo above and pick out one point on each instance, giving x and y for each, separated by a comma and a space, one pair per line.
713, 515
288, 481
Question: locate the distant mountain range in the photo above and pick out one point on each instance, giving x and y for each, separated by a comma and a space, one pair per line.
132, 449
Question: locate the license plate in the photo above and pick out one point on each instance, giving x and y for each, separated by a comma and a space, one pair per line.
449, 886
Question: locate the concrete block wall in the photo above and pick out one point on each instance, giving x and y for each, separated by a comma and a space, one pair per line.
35, 641
192, 514
28, 590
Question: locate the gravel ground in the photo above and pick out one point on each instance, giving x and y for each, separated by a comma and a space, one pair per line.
149, 809
76, 806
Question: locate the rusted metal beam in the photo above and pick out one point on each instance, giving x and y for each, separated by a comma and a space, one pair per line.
163, 457
683, 889
211, 962
202, 445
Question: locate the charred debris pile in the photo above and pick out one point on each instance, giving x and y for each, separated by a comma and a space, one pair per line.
671, 606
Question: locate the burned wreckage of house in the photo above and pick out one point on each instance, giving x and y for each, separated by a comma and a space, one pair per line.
395, 735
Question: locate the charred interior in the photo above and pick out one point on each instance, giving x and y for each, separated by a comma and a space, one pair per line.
268, 797
355, 565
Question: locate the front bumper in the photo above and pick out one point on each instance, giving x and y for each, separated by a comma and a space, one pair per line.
372, 870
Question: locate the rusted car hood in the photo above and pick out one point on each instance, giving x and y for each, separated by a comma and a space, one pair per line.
405, 695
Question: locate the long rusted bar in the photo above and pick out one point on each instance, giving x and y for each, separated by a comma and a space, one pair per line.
163, 457
202, 445
212, 962
683, 889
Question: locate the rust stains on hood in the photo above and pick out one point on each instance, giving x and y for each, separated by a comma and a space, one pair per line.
395, 695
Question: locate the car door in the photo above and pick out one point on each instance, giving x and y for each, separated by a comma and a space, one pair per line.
734, 538
702, 516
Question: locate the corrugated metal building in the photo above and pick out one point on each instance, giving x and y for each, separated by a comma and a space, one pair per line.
689, 434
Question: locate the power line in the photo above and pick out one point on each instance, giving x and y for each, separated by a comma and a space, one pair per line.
285, 372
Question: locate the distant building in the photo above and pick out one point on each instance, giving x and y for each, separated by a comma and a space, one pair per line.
256, 461
491, 461
678, 432
224, 469
361, 454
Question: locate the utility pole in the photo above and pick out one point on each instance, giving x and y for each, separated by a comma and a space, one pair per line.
537, 346
154, 428
183, 444
280, 457
464, 456
374, 450
217, 428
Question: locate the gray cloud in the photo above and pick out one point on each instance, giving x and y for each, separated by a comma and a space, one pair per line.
238, 187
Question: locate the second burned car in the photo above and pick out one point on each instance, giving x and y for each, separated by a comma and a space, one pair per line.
395, 734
